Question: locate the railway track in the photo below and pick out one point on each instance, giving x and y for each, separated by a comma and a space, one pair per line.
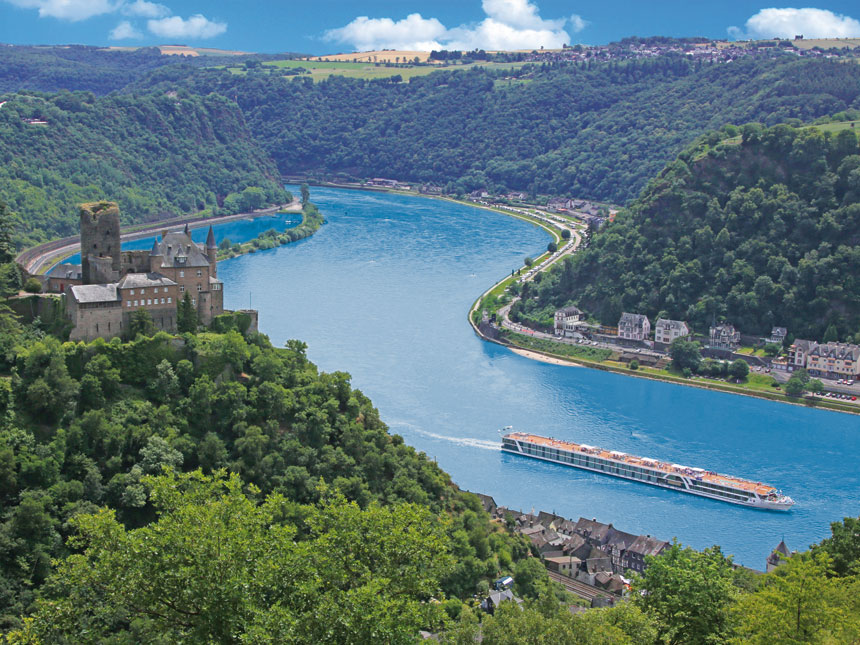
580, 588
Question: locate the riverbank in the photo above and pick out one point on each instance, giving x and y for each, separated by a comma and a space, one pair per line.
38, 259
312, 220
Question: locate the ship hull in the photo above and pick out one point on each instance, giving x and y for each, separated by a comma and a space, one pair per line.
682, 486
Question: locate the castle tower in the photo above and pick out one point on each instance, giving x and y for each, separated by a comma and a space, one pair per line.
212, 253
100, 246
155, 257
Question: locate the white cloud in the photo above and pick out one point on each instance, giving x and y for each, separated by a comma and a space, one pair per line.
411, 33
197, 26
788, 22
144, 9
124, 31
509, 24
73, 10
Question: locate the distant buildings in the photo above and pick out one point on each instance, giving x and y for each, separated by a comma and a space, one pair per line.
777, 335
665, 331
827, 360
777, 557
566, 320
634, 327
724, 336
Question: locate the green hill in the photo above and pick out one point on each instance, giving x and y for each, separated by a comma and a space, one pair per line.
596, 130
759, 229
157, 155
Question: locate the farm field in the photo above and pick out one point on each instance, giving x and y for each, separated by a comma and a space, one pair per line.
322, 69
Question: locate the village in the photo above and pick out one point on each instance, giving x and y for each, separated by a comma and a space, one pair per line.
591, 559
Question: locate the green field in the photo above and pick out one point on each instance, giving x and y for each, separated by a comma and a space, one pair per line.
833, 128
320, 70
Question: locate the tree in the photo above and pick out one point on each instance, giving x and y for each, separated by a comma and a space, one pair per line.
565, 234
528, 261
186, 315
685, 354
795, 386
843, 546
220, 566
32, 285
815, 386
141, 323
739, 369
831, 334
306, 194
552, 247
800, 603
688, 594
772, 349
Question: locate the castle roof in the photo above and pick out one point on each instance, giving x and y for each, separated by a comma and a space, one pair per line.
210, 238
144, 280
155, 252
179, 251
93, 293
66, 271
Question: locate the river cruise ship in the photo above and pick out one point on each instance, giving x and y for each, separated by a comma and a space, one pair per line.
686, 479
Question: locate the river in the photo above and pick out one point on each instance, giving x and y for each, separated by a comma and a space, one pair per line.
382, 291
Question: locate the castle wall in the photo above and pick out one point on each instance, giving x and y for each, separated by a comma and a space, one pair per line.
134, 262
99, 269
94, 320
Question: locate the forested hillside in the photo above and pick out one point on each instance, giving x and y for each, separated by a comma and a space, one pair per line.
75, 67
597, 131
759, 229
157, 155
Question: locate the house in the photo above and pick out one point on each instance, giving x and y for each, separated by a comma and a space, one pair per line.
665, 331
566, 320
724, 337
62, 276
834, 360
487, 502
634, 327
777, 557
616, 546
566, 565
798, 353
777, 335
594, 532
496, 598
644, 545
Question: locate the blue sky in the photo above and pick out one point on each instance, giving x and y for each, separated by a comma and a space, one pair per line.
329, 26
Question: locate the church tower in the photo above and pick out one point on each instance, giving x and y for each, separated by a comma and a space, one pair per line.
100, 246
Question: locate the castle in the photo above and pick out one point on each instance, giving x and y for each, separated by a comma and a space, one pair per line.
115, 284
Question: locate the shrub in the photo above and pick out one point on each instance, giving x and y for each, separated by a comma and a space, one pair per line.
32, 285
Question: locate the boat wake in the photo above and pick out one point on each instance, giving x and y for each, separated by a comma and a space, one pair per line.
470, 442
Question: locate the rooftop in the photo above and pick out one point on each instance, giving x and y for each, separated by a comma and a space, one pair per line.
144, 280
93, 293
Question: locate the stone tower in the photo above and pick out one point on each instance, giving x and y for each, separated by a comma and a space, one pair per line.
100, 246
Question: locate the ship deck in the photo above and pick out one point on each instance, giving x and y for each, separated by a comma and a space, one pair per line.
642, 462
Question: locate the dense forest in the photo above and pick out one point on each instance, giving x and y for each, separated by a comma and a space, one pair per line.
171, 139
597, 131
157, 155
756, 226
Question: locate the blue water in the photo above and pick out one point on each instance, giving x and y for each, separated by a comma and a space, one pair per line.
237, 231
382, 291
